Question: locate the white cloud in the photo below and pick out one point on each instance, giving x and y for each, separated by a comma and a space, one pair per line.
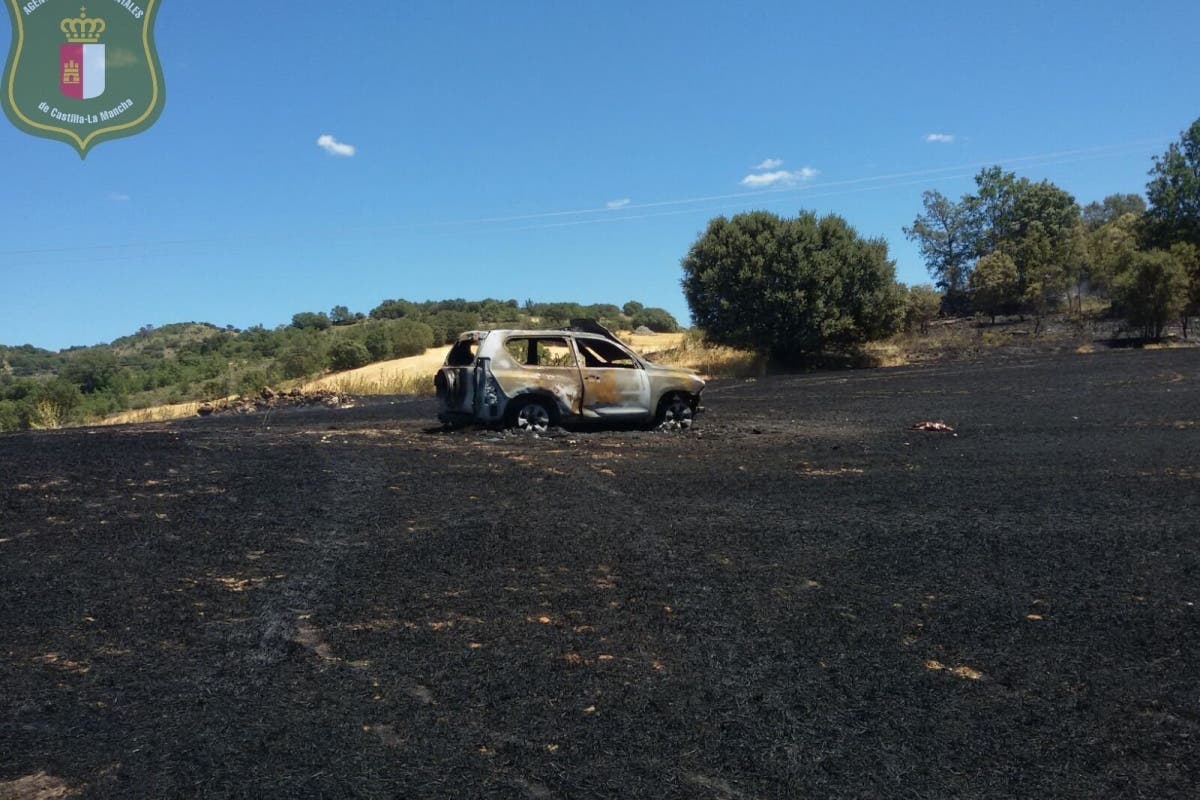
771, 163
624, 201
334, 147
118, 196
942, 138
781, 177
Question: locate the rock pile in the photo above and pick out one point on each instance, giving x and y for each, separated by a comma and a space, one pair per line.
268, 399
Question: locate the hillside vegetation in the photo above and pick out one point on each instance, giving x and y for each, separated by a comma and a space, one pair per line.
187, 363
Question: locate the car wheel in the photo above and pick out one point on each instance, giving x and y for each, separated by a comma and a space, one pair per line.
532, 415
674, 413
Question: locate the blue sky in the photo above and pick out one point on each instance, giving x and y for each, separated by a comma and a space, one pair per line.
490, 139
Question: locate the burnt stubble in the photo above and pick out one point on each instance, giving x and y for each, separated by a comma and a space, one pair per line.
801, 597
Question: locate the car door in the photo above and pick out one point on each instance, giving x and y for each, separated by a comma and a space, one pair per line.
614, 382
544, 365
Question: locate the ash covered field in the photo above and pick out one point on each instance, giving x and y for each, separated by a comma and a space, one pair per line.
802, 597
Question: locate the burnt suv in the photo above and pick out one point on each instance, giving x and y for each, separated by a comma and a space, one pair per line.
532, 379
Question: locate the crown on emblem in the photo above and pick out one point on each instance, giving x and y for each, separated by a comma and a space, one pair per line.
82, 29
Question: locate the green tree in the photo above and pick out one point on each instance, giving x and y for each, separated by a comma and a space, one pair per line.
447, 325
790, 287
631, 308
1151, 291
994, 284
394, 309
1109, 248
1188, 256
407, 337
341, 315
992, 209
91, 370
921, 307
300, 359
309, 320
1042, 269
1043, 234
376, 342
602, 311
658, 320
1037, 225
1096, 215
945, 236
1174, 191
348, 354
558, 313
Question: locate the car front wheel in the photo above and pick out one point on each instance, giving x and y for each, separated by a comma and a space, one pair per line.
675, 413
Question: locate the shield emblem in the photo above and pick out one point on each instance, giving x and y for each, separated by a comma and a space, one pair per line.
82, 75
81, 68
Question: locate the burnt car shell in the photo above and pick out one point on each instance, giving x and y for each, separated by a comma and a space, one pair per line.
576, 374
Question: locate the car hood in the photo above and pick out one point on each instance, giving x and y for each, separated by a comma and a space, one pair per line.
681, 374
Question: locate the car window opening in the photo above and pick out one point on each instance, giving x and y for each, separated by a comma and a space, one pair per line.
598, 354
541, 352
462, 354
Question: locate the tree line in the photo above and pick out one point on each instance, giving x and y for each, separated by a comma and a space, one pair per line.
792, 287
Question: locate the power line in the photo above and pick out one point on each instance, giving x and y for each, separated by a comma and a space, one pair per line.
607, 215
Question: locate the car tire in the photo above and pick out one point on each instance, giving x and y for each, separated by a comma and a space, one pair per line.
676, 411
533, 414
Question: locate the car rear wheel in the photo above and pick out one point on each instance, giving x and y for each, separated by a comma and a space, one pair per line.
534, 415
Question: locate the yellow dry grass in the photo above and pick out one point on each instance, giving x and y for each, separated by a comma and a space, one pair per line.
651, 342
153, 414
386, 377
710, 360
889, 353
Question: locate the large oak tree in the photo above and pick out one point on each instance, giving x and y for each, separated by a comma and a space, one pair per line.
789, 287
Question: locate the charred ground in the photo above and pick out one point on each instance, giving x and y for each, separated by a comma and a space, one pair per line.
802, 597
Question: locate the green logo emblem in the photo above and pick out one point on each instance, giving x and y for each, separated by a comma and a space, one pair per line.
82, 75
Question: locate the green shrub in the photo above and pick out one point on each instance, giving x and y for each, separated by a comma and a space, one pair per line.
252, 381
55, 404
14, 415
101, 404
300, 359
377, 342
409, 338
921, 307
348, 355
658, 320
216, 388
447, 325
1151, 291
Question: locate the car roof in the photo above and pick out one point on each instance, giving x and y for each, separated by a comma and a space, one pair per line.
481, 334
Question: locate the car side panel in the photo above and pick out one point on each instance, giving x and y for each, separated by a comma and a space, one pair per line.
563, 384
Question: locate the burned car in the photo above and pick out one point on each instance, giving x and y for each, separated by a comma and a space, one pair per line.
532, 379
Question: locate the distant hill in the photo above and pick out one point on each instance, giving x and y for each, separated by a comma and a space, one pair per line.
164, 341
28, 361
